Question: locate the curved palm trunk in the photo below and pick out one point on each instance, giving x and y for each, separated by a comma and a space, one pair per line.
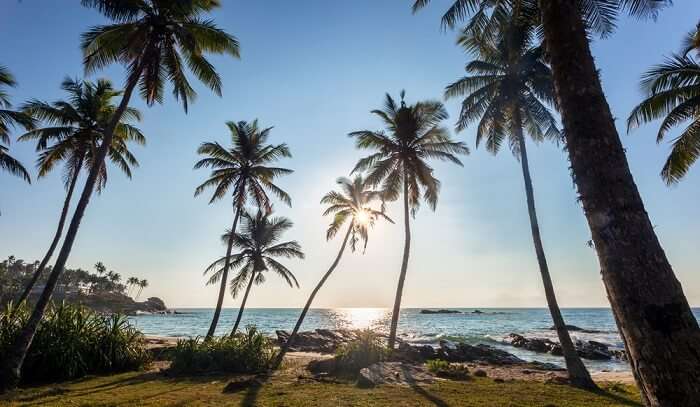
11, 368
224, 278
245, 298
652, 313
404, 267
578, 374
292, 337
57, 237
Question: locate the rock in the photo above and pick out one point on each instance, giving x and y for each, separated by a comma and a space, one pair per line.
392, 373
480, 373
534, 344
440, 311
238, 385
320, 340
462, 352
417, 354
476, 311
591, 350
322, 366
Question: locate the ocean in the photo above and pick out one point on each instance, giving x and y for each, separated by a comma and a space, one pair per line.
489, 327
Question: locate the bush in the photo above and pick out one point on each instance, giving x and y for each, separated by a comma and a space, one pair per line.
73, 341
442, 368
246, 352
367, 349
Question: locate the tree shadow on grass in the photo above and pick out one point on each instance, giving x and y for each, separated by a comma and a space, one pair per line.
616, 398
437, 401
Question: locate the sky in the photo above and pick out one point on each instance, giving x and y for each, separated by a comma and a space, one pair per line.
313, 70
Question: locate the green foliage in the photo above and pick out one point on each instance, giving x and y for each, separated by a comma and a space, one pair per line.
435, 365
360, 353
443, 368
73, 341
244, 352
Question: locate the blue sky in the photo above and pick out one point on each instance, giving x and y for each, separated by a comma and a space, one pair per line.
314, 69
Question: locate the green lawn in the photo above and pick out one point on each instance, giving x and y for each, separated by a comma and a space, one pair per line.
154, 389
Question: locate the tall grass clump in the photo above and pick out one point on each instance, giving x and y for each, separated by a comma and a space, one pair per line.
243, 352
73, 341
367, 349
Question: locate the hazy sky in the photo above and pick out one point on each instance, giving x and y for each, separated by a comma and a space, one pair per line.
314, 70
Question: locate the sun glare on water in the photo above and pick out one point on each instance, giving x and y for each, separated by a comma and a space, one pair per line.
362, 318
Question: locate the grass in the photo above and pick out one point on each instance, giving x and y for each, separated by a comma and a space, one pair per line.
287, 389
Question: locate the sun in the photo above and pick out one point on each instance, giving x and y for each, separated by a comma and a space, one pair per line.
363, 217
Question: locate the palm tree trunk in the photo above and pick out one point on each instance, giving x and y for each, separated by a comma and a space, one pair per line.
11, 368
651, 310
578, 374
404, 266
57, 237
320, 284
224, 278
245, 298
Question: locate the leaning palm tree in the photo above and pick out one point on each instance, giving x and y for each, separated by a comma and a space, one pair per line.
244, 168
259, 247
505, 91
353, 204
400, 165
72, 133
141, 284
155, 40
672, 90
10, 118
633, 265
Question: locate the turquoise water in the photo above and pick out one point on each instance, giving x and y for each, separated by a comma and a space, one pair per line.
490, 327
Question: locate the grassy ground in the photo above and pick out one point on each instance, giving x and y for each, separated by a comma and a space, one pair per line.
287, 389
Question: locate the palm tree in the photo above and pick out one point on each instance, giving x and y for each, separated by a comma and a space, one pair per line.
652, 313
353, 204
399, 164
504, 91
131, 282
672, 90
692, 41
72, 134
141, 284
244, 168
259, 246
8, 119
154, 40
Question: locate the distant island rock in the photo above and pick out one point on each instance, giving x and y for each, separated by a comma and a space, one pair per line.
439, 311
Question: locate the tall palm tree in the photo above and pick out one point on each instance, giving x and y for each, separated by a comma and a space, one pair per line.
141, 284
243, 168
131, 282
72, 133
652, 313
8, 119
353, 203
691, 42
673, 94
505, 92
259, 244
400, 164
154, 40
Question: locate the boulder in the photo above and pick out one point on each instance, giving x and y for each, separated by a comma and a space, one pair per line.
392, 373
533, 344
591, 350
320, 340
462, 352
440, 311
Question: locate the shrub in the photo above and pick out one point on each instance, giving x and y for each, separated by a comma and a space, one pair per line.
360, 353
245, 352
73, 341
442, 368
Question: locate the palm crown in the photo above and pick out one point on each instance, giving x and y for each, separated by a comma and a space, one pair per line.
353, 203
414, 135
75, 128
9, 119
505, 89
243, 166
258, 245
156, 39
673, 88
